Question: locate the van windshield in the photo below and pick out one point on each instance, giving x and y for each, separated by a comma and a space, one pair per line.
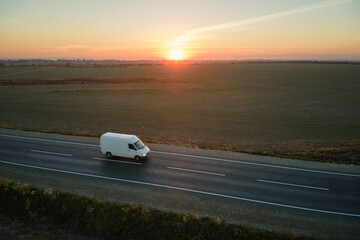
139, 144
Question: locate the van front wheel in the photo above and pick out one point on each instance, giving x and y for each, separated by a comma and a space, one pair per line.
108, 155
137, 158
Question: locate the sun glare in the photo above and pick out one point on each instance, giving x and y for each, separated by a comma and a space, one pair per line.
177, 54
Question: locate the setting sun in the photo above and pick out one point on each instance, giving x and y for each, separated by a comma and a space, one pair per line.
177, 54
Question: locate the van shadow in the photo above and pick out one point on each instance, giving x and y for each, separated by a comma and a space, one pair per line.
122, 167
124, 159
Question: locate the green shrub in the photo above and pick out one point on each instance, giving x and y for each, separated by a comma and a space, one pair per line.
109, 220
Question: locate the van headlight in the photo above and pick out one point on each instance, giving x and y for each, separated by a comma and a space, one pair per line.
144, 155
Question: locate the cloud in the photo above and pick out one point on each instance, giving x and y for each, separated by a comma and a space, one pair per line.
188, 36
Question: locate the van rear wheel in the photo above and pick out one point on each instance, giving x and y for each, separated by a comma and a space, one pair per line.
137, 158
108, 155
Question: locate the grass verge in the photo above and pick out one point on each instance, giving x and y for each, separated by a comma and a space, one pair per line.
342, 155
109, 220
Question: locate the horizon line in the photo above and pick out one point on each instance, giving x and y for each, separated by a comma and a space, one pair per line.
184, 60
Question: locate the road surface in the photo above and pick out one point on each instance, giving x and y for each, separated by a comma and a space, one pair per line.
274, 186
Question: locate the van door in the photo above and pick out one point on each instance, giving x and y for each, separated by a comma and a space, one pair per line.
131, 150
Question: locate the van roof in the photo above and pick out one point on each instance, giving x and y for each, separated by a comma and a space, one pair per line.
120, 135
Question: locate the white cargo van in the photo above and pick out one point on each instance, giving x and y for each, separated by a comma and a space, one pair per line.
123, 145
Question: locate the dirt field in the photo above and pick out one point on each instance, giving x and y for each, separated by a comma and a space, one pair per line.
308, 111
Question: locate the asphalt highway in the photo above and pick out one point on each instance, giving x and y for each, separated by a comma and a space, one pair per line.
275, 186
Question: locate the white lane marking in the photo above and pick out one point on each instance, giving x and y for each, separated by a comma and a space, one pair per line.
183, 189
293, 185
260, 164
201, 157
196, 171
108, 160
52, 153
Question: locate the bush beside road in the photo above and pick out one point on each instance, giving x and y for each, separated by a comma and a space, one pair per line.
109, 220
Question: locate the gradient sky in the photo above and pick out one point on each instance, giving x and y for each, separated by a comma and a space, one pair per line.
202, 29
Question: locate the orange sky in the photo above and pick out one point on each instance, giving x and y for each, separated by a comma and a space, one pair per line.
229, 29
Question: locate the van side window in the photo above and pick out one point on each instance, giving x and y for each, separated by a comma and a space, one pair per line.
132, 147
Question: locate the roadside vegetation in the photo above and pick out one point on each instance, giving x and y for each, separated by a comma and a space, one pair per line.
109, 220
303, 111
13, 229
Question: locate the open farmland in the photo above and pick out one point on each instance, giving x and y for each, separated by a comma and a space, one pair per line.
309, 111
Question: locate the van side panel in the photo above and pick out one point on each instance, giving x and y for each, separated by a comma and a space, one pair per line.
121, 149
107, 145
117, 147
